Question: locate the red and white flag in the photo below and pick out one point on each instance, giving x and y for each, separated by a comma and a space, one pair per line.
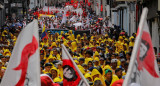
71, 74
143, 68
24, 66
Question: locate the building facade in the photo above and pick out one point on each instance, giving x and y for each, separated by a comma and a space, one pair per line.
2, 12
126, 14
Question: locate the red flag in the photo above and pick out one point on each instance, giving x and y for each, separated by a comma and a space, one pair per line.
101, 8
143, 69
67, 3
71, 74
72, 1
24, 68
75, 5
48, 9
146, 56
86, 1
89, 4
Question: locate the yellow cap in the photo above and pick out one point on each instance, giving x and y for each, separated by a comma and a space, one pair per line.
54, 68
96, 53
94, 72
65, 44
126, 39
82, 70
99, 39
54, 44
8, 54
70, 31
131, 37
78, 35
66, 33
74, 45
107, 67
87, 60
58, 40
62, 32
82, 38
51, 57
96, 59
120, 37
106, 35
91, 40
87, 75
4, 68
97, 79
57, 79
76, 61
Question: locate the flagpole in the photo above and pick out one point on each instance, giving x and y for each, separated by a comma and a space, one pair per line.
135, 48
70, 57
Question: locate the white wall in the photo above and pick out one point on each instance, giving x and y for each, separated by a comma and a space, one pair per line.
33, 3
155, 34
132, 23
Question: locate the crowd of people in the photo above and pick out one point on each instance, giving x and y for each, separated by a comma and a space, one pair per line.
102, 56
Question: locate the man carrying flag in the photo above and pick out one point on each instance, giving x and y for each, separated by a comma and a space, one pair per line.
71, 74
44, 33
143, 68
24, 67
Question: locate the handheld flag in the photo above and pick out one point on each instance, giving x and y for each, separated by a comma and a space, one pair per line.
44, 33
71, 74
64, 19
143, 68
24, 67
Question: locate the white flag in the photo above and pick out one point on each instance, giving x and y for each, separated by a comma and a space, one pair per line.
73, 19
64, 18
52, 27
24, 64
71, 74
143, 68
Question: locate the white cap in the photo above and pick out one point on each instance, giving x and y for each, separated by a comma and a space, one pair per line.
113, 60
60, 62
122, 60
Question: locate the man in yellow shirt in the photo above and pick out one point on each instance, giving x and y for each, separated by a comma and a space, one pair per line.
118, 73
47, 68
55, 53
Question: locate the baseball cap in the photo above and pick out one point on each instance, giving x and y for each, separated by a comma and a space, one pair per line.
113, 60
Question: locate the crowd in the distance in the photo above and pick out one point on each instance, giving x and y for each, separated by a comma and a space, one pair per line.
102, 56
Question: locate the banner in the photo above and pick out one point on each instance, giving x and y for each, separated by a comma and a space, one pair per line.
71, 74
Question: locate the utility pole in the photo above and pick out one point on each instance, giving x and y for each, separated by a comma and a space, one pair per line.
104, 8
